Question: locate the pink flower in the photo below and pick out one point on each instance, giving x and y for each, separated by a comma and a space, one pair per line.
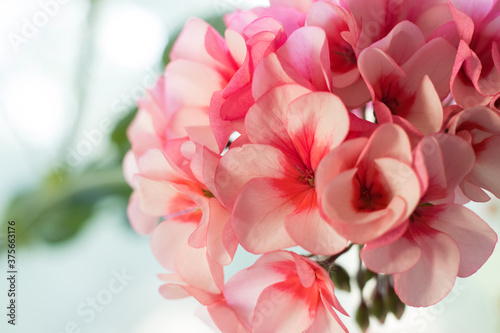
192, 272
281, 292
441, 240
408, 77
290, 13
336, 21
269, 185
480, 126
352, 26
302, 59
476, 72
150, 127
367, 187
179, 183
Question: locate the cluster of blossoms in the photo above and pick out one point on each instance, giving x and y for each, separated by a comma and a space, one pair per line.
261, 138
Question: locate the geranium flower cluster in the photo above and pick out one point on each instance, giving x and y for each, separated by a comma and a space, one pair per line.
320, 124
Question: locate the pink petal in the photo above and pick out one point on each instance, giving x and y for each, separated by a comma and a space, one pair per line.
317, 122
464, 86
378, 69
154, 195
193, 266
144, 141
433, 277
266, 121
485, 171
237, 104
262, 230
191, 84
305, 271
310, 231
464, 23
427, 112
140, 221
448, 159
395, 257
474, 237
388, 140
306, 50
168, 238
221, 128
476, 10
236, 45
225, 318
271, 73
301, 5
175, 291
154, 165
130, 168
474, 193
199, 42
243, 289
326, 322
355, 95
359, 227
283, 307
342, 158
178, 153
187, 116
434, 59
239, 165
202, 135
402, 42
435, 19
216, 248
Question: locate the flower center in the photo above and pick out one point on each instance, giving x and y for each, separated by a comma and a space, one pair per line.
368, 199
306, 177
391, 102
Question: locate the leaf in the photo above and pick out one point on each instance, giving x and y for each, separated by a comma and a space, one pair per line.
340, 278
378, 308
362, 316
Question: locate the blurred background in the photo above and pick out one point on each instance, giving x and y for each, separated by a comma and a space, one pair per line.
71, 72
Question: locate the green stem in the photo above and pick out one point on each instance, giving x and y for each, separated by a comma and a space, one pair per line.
330, 260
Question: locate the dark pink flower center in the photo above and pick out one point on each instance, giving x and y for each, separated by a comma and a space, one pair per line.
369, 200
306, 177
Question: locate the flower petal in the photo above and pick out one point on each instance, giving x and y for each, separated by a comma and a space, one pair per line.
317, 122
395, 257
259, 214
306, 50
282, 308
326, 322
314, 234
239, 165
140, 221
474, 237
433, 277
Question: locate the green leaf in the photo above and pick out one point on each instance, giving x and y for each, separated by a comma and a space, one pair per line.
340, 277
65, 222
394, 304
119, 134
362, 316
56, 210
378, 308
